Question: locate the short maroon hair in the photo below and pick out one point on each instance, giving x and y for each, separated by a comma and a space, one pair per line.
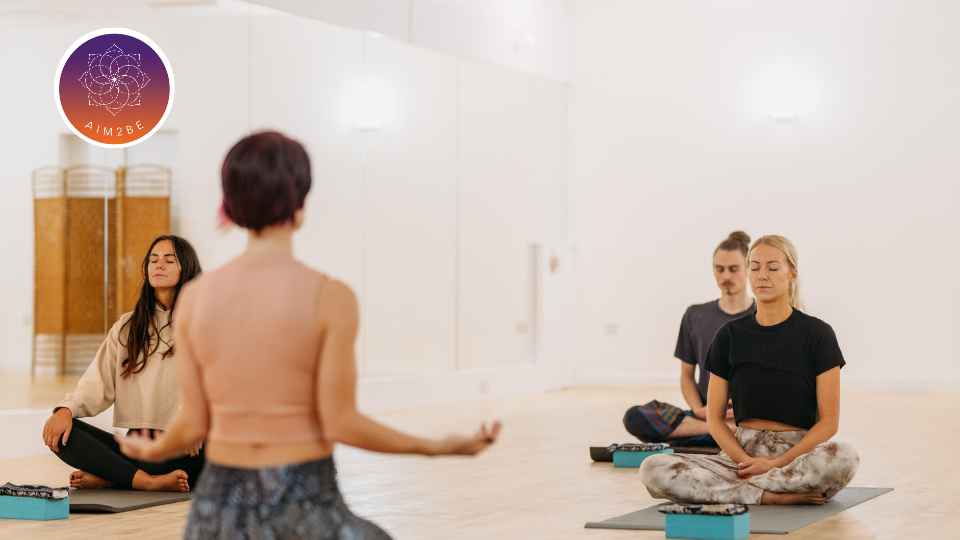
265, 179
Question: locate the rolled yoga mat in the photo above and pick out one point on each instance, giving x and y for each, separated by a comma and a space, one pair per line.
764, 519
112, 501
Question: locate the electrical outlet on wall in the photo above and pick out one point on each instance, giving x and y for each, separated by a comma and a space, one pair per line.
523, 327
611, 329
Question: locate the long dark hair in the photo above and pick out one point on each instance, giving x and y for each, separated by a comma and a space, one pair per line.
142, 321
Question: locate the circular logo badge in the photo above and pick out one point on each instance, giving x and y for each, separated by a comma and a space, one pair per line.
114, 87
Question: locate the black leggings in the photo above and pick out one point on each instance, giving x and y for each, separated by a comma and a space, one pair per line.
95, 451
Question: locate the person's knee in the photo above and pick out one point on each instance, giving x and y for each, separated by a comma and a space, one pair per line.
651, 473
841, 453
845, 457
637, 425
65, 451
628, 417
57, 451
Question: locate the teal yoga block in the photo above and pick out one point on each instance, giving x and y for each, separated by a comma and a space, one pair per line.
34, 508
633, 458
705, 527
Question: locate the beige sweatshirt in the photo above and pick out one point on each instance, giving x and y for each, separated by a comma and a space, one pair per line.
147, 399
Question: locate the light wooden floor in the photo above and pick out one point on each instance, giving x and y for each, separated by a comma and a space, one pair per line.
23, 392
539, 482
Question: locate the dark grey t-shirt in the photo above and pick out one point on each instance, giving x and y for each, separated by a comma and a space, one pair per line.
698, 327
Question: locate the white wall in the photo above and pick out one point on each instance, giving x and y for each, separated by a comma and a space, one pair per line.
534, 36
16, 212
399, 211
670, 154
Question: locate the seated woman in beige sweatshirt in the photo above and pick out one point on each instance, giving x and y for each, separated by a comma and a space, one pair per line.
134, 371
265, 355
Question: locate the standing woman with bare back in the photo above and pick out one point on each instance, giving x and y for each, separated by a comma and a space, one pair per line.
265, 355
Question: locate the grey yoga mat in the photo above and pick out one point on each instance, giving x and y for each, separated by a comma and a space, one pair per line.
112, 501
764, 519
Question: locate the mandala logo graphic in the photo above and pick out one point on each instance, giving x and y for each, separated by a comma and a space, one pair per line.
114, 87
113, 79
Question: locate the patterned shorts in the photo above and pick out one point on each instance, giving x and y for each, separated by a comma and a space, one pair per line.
296, 501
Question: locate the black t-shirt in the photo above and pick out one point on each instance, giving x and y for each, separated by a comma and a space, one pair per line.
697, 329
772, 370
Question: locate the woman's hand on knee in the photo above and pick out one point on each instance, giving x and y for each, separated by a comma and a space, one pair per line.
754, 466
56, 430
138, 447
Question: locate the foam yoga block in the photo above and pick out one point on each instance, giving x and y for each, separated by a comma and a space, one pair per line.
33, 502
707, 522
632, 455
33, 508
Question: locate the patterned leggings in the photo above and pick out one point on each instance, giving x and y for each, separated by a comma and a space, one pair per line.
713, 479
297, 501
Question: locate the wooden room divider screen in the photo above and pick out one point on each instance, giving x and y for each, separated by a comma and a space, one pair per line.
92, 226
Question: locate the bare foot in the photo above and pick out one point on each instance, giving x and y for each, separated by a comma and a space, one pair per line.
85, 480
173, 481
770, 497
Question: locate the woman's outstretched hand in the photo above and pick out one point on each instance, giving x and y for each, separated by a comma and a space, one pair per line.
457, 445
138, 447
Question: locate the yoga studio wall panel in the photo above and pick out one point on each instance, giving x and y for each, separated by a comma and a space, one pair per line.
85, 239
512, 204
332, 238
411, 233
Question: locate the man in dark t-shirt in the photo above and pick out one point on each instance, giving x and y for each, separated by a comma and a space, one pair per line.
658, 421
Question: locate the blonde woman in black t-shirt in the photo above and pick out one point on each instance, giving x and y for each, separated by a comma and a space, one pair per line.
781, 368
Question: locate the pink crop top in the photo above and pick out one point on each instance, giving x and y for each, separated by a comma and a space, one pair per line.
254, 335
